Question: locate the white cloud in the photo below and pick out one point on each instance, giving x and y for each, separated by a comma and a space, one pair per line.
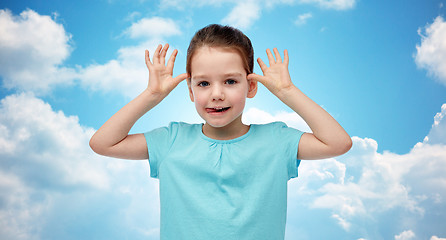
329, 4
431, 53
46, 140
17, 215
341, 221
362, 187
32, 49
406, 235
128, 73
437, 238
187, 4
258, 116
155, 27
243, 15
377, 183
437, 134
332, 4
302, 19
363, 184
49, 177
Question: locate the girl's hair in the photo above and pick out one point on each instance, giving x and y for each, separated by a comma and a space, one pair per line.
215, 35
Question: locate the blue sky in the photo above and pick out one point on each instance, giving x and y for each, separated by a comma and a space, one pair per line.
379, 67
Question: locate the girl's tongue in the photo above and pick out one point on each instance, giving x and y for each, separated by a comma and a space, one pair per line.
216, 110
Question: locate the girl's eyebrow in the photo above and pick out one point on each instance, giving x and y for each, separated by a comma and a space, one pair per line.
235, 74
226, 75
198, 77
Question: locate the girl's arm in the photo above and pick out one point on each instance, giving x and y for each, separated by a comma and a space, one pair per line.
112, 139
328, 139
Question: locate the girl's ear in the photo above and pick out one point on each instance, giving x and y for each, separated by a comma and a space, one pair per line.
252, 88
191, 94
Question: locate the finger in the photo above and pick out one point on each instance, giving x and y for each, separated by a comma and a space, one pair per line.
156, 54
277, 54
179, 78
171, 61
257, 78
163, 54
270, 57
262, 65
148, 63
286, 58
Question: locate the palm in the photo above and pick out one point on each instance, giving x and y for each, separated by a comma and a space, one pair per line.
161, 80
276, 77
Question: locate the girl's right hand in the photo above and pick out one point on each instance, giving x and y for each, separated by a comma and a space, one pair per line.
161, 81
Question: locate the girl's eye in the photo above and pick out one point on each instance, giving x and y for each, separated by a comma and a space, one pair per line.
231, 81
203, 84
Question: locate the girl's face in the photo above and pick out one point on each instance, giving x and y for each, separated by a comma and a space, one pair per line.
218, 86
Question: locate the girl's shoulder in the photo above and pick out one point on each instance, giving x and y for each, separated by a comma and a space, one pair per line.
271, 125
276, 130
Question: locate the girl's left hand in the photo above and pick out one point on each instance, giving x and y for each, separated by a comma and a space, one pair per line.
276, 77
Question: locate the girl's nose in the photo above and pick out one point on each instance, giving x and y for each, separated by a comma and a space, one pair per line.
217, 93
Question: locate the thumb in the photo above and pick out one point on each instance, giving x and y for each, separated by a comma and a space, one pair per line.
179, 78
256, 77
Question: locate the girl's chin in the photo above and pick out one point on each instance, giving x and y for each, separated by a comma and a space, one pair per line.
222, 124
216, 125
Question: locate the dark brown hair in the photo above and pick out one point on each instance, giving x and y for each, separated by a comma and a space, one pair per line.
216, 35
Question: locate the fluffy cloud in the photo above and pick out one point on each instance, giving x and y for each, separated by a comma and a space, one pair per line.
431, 53
437, 238
44, 138
364, 187
410, 185
302, 19
243, 14
128, 73
437, 134
49, 177
406, 235
185, 4
332, 4
32, 49
258, 116
329, 4
153, 28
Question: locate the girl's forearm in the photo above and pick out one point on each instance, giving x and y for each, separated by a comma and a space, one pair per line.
324, 127
118, 126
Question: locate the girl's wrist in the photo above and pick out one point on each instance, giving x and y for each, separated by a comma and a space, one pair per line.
151, 98
153, 94
285, 93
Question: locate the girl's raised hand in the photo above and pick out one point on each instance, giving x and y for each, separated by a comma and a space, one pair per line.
161, 81
276, 77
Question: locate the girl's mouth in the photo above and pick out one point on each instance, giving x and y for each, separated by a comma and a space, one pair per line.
217, 109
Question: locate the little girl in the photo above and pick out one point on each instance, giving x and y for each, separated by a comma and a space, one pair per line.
222, 179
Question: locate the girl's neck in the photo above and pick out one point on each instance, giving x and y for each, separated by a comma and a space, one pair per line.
231, 131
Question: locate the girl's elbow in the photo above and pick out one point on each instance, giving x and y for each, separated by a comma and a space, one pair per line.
345, 145
96, 146
341, 147
93, 145
348, 144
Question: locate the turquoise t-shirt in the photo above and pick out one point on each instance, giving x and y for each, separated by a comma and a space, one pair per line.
223, 189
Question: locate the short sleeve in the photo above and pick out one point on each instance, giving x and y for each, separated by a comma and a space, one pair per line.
290, 138
159, 142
